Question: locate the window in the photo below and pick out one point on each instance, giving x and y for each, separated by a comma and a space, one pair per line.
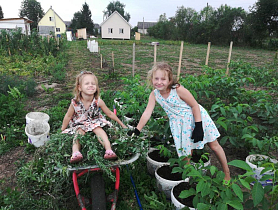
51, 19
121, 31
110, 30
57, 29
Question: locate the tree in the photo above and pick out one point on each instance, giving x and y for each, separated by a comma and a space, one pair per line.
32, 10
1, 13
82, 19
264, 18
116, 6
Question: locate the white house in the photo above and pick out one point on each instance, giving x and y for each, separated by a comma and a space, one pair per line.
15, 23
115, 27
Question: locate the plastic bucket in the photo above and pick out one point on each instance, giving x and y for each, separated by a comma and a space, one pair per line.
36, 116
165, 185
175, 201
37, 132
257, 170
152, 165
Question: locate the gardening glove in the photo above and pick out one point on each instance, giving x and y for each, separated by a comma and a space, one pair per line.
198, 133
134, 131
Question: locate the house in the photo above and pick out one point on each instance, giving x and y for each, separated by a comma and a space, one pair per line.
51, 21
144, 26
15, 23
115, 27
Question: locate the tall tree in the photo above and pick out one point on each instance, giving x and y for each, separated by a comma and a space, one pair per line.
116, 6
1, 13
264, 18
82, 19
32, 10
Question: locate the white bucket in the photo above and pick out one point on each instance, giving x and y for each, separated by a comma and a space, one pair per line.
152, 165
165, 185
175, 201
36, 116
258, 170
37, 132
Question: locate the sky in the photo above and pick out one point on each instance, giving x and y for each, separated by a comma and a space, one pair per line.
149, 10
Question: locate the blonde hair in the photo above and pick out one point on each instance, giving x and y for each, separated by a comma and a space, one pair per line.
167, 69
78, 82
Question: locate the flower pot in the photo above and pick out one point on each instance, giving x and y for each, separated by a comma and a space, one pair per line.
166, 180
196, 158
154, 160
257, 170
181, 203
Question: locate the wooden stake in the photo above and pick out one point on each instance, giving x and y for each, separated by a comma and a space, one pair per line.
229, 58
101, 61
48, 38
154, 58
179, 68
8, 47
133, 60
208, 51
113, 59
99, 50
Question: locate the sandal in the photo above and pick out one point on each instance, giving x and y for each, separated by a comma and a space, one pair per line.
110, 155
226, 182
76, 157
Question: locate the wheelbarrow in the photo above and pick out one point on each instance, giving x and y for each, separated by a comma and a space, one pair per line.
98, 197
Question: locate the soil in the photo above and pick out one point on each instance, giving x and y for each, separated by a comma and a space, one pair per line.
179, 188
165, 172
155, 155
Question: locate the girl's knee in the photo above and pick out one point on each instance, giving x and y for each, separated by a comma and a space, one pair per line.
215, 146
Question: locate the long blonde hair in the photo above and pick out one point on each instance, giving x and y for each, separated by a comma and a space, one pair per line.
78, 82
167, 69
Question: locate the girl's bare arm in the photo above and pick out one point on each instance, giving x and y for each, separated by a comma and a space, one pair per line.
148, 112
67, 117
188, 98
109, 113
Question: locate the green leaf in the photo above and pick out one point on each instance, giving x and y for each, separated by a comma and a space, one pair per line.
245, 184
187, 193
202, 206
212, 170
235, 204
237, 191
257, 193
200, 186
240, 164
223, 124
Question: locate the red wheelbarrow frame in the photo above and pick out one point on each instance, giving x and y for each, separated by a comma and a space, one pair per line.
80, 198
78, 172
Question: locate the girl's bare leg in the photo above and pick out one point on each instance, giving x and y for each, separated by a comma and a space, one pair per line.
220, 154
102, 138
75, 144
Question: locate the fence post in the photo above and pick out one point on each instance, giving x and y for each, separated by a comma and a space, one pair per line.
133, 60
113, 59
179, 68
208, 51
101, 61
229, 58
154, 58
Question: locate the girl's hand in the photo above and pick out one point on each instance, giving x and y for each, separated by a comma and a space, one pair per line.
198, 133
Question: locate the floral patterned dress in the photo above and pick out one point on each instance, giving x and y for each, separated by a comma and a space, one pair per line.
88, 119
182, 123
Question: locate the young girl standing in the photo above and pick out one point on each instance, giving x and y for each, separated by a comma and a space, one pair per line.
84, 115
190, 124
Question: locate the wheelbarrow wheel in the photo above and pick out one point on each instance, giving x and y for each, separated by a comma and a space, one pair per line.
98, 192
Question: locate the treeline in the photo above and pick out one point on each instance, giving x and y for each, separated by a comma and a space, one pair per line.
258, 28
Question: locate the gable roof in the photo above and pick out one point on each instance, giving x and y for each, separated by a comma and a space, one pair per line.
146, 25
27, 20
54, 12
115, 13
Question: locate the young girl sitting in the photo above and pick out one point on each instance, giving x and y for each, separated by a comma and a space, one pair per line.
84, 115
190, 124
